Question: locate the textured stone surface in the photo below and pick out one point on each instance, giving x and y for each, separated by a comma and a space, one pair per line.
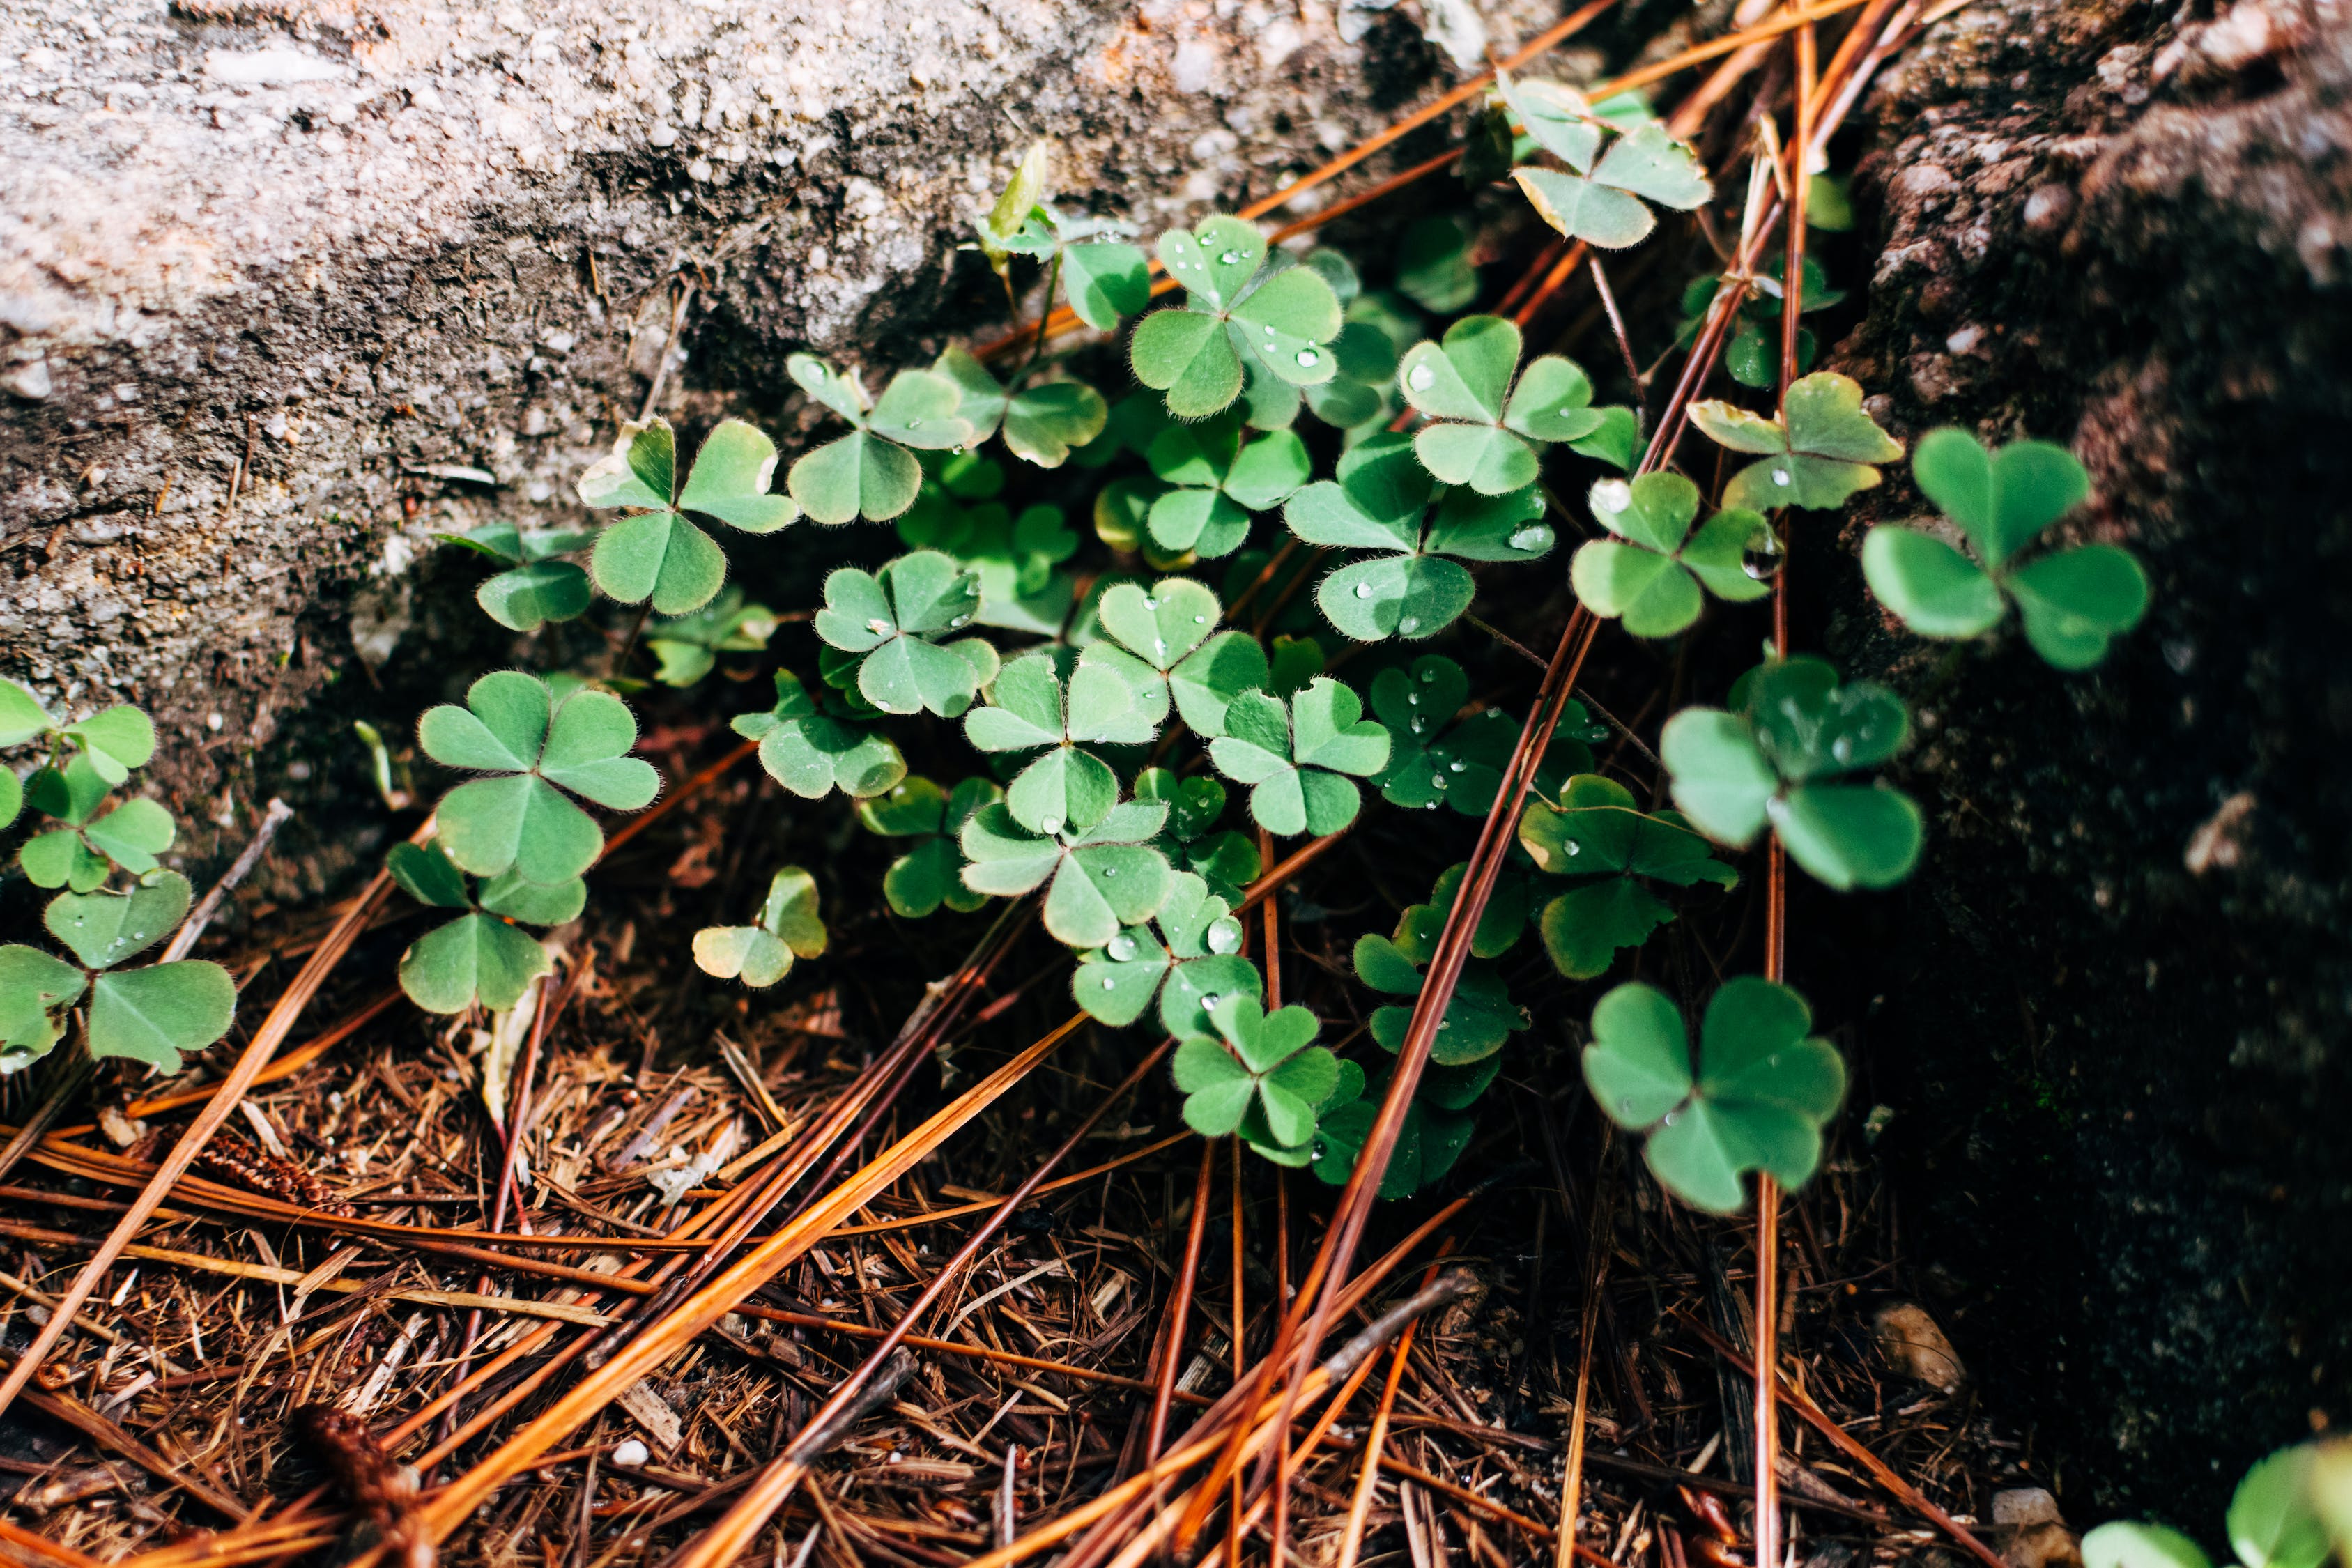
2111, 1014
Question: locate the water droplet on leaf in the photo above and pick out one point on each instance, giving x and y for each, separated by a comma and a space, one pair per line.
1780, 477
1363, 590
1613, 495
1051, 824
1122, 947
1310, 357
1224, 935
1533, 538
1422, 378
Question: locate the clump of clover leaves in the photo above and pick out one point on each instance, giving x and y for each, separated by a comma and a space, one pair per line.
1017, 560
1103, 280
1161, 641
1602, 203
1374, 329
2072, 602
87, 760
2279, 1516
655, 553
1415, 585
1282, 320
812, 749
762, 954
1261, 1075
687, 646
1435, 1133
1792, 728
1753, 355
871, 472
928, 875
890, 621
537, 587
1031, 709
1296, 757
1226, 860
1481, 1015
1436, 759
540, 743
1215, 480
1762, 1091
1100, 874
1192, 964
1650, 575
1611, 851
1816, 454
1483, 428
152, 1015
481, 957
1042, 421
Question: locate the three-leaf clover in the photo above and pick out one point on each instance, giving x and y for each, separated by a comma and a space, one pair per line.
1763, 1091
1602, 204
2073, 601
1818, 452
869, 472
687, 646
654, 553
74, 854
1434, 760
1484, 429
1283, 322
1416, 584
1651, 580
1042, 421
1609, 849
1297, 756
1264, 1062
926, 876
1217, 481
536, 587
150, 1015
542, 749
762, 954
1192, 965
1797, 727
889, 617
1103, 280
1431, 1140
480, 957
1221, 857
1102, 879
1158, 639
1478, 1018
1029, 708
810, 751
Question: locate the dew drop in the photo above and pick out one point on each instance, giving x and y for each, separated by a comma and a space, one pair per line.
1422, 378
1409, 624
957, 451
1574, 848
1109, 982
1200, 620
1532, 538
1309, 357
1780, 477
957, 622
1419, 725
1437, 781
914, 424
1109, 871
1427, 675
1224, 935
1431, 806
1363, 590
1760, 559
1122, 947
1625, 1106
1269, 331
1455, 767
1842, 749
1150, 603
878, 624
1613, 495
1209, 1000
1413, 698
1051, 824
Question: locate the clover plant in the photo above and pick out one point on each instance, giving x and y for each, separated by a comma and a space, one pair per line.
1816, 454
1436, 759
1484, 427
1651, 574
1103, 280
813, 752
759, 955
95, 832
2278, 1519
1478, 1019
1431, 1140
1215, 480
1226, 860
1192, 962
929, 873
1235, 310
1603, 202
537, 587
1793, 729
1413, 583
687, 646
483, 957
1042, 421
1261, 1074
1017, 561
655, 553
1763, 1090
1297, 757
1098, 878
1033, 709
1611, 851
890, 621
1374, 330
1753, 354
872, 472
2072, 602
1162, 642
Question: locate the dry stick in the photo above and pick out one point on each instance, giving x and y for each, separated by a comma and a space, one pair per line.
26, 1539
1360, 1505
1180, 1305
955, 1347
743, 1521
255, 1055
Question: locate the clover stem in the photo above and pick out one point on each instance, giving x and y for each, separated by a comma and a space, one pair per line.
1044, 314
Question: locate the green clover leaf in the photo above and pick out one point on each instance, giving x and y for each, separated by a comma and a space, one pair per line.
870, 473
1065, 789
1097, 881
1558, 116
1753, 356
2121, 1543
130, 834
158, 1014
1427, 1145
1734, 772
1478, 1019
1005, 229
1015, 559
1434, 266
1435, 760
22, 717
35, 989
1106, 281
103, 929
1610, 849
1295, 757
1043, 423
654, 553
2272, 1521
1266, 1061
1483, 429
810, 752
541, 750
759, 955
1192, 965
1217, 481
1605, 206
889, 619
1415, 585
479, 957
114, 740
537, 588
1361, 396
688, 646
1651, 580
926, 876
1500, 923
1817, 457
1226, 860
1283, 322
1763, 1091
2074, 603
1161, 641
